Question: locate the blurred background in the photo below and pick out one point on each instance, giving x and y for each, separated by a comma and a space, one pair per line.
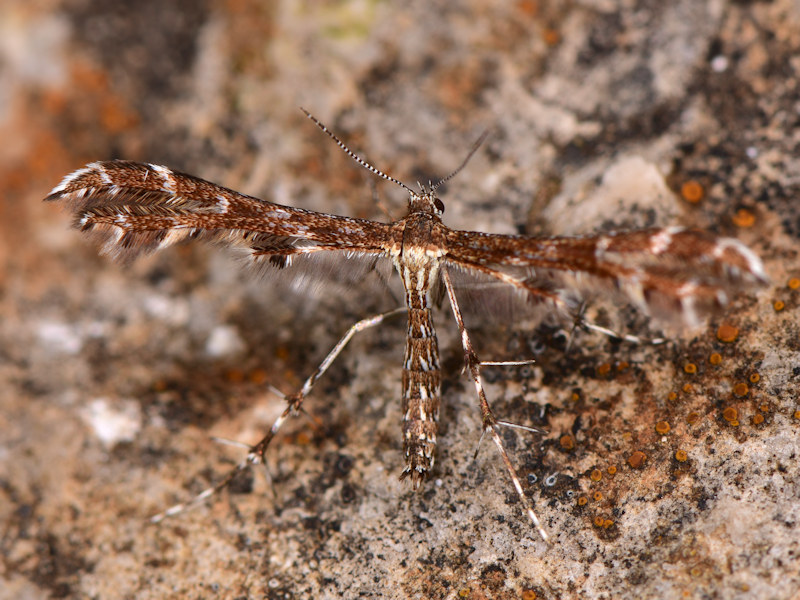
602, 115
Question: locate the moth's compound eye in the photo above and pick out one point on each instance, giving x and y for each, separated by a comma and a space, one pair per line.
438, 205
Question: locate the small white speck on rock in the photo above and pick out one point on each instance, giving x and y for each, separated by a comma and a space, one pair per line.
224, 341
60, 338
719, 63
113, 421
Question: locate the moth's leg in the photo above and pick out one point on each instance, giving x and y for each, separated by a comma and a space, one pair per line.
511, 363
507, 363
294, 403
581, 323
473, 366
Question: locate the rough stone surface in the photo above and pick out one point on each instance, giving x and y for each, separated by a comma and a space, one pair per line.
113, 380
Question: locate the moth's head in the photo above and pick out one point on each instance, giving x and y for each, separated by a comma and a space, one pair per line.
426, 202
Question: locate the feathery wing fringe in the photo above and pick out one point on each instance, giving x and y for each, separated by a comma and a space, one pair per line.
138, 208
488, 301
675, 275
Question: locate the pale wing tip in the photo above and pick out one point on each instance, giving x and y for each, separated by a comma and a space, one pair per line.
755, 266
64, 187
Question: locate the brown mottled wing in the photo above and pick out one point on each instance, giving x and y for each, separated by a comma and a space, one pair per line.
674, 274
138, 208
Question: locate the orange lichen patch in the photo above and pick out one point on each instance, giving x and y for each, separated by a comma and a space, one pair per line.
757, 419
672, 396
778, 305
234, 376
596, 475
793, 283
551, 36
730, 414
54, 101
598, 521
114, 114
622, 365
567, 442
754, 377
687, 388
612, 470
464, 593
715, 358
528, 595
529, 7
692, 191
636, 460
257, 376
607, 523
116, 117
693, 418
44, 151
582, 500
744, 218
763, 407
690, 368
575, 397
603, 370
662, 427
597, 496
741, 389
681, 456
796, 415
727, 333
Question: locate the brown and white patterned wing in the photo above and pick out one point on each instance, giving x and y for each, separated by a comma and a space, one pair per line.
673, 274
139, 208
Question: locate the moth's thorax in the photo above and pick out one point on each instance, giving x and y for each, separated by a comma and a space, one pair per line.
417, 251
423, 233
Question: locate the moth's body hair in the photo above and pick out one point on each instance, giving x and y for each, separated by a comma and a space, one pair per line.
672, 274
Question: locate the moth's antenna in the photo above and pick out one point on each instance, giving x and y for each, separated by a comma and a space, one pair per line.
355, 157
463, 164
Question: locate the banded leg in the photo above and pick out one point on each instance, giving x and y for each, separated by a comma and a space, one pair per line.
625, 337
488, 419
255, 455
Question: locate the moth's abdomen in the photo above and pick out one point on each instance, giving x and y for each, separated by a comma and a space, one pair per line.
421, 394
